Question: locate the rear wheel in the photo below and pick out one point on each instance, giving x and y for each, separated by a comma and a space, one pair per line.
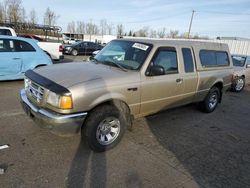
211, 101
104, 128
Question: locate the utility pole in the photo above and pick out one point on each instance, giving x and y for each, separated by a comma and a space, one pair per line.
190, 25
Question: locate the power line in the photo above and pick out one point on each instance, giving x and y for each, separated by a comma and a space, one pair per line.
229, 13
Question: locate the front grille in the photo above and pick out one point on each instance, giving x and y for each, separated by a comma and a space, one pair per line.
34, 91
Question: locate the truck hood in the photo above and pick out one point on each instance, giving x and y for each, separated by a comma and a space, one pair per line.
70, 74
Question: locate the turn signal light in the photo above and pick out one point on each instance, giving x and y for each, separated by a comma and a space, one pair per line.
66, 102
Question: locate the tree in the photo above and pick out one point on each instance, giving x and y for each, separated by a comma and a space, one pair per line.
130, 33
173, 33
153, 33
120, 30
33, 17
50, 17
71, 28
143, 32
103, 27
110, 28
1, 13
14, 10
80, 27
161, 32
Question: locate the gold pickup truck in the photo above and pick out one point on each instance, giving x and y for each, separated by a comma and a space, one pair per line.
128, 78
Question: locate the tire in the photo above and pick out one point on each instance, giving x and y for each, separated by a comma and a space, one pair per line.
104, 128
211, 101
239, 84
74, 52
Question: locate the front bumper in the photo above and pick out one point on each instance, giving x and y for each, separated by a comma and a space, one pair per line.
60, 124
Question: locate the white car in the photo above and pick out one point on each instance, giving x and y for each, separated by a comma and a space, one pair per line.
241, 71
7, 31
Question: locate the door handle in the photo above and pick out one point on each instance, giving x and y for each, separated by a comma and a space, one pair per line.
16, 58
179, 80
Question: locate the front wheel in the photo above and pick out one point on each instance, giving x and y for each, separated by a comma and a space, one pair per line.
104, 128
211, 101
74, 53
239, 84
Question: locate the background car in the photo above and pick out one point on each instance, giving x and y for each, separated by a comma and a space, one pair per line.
17, 55
81, 47
30, 36
241, 71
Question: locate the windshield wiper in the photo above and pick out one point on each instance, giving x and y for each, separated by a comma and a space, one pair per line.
116, 64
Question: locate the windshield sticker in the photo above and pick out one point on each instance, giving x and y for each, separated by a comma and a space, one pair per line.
140, 46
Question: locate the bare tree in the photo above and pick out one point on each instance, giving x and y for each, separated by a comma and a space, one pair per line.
143, 32
120, 30
14, 10
80, 27
1, 12
110, 28
50, 17
33, 17
91, 28
71, 28
173, 33
161, 32
153, 33
103, 27
23, 15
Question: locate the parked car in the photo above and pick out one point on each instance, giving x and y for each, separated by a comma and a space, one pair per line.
30, 36
127, 79
18, 55
242, 72
81, 47
53, 49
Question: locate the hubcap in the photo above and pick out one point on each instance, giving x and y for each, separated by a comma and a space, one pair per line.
239, 84
213, 100
108, 130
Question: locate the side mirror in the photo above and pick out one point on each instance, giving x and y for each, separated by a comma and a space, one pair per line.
156, 70
248, 66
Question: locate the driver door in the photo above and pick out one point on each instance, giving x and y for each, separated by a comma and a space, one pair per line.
164, 91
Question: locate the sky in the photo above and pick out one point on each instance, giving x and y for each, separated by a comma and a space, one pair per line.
211, 18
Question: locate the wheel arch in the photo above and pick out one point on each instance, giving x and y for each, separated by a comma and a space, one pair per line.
219, 85
121, 105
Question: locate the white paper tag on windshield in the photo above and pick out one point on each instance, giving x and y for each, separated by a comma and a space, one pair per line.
140, 46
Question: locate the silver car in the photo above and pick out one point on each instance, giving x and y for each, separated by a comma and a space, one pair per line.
241, 71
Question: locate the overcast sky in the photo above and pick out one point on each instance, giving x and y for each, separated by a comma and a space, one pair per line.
212, 17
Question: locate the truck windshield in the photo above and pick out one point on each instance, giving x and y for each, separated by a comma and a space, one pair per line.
128, 54
238, 61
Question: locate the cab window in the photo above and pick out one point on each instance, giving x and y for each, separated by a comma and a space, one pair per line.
167, 58
188, 60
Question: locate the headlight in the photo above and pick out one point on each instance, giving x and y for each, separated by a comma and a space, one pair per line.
26, 83
58, 101
68, 48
